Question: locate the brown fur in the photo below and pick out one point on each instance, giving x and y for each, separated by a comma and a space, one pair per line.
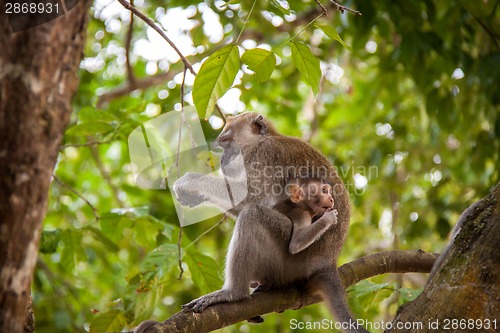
258, 251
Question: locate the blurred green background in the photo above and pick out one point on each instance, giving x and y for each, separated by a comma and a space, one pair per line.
408, 111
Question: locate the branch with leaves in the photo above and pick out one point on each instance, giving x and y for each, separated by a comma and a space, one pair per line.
134, 83
225, 314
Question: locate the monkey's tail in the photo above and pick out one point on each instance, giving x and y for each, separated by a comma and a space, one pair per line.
328, 285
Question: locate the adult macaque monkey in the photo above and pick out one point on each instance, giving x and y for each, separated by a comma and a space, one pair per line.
307, 198
258, 251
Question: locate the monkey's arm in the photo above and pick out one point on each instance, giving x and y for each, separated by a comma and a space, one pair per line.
226, 192
303, 237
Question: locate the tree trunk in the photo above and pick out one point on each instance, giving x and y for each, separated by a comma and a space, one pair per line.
463, 291
38, 78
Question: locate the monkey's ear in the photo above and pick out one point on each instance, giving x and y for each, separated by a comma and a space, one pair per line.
296, 193
259, 126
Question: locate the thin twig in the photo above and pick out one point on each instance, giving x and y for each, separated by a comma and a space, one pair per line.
222, 115
128, 41
488, 31
150, 22
341, 8
69, 188
222, 220
322, 7
105, 175
94, 142
179, 251
177, 161
308, 24
87, 144
246, 21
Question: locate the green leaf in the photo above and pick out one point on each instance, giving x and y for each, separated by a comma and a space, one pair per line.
141, 211
111, 321
89, 128
146, 303
100, 236
283, 10
216, 76
332, 33
408, 295
307, 64
50, 240
112, 225
261, 61
163, 258
204, 271
90, 115
73, 251
146, 231
369, 293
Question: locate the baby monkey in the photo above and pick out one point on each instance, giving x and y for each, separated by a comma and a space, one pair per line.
307, 199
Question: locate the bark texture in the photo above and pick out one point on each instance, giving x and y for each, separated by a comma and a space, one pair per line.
38, 78
463, 292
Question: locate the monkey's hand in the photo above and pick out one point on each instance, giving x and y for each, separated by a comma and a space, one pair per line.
186, 190
330, 216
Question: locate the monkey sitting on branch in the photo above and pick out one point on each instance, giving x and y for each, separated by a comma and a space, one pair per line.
259, 248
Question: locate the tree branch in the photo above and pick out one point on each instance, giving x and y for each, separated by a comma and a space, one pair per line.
69, 188
225, 314
341, 8
128, 41
150, 22
142, 83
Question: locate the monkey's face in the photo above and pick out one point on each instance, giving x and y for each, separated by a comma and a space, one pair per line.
244, 130
314, 196
318, 197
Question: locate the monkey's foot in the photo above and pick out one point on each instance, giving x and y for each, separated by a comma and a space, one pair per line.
199, 304
196, 306
221, 296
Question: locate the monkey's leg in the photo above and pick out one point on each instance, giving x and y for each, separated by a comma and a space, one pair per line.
235, 285
302, 238
327, 284
240, 268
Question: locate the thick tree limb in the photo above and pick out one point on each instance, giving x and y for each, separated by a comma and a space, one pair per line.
225, 314
463, 289
38, 79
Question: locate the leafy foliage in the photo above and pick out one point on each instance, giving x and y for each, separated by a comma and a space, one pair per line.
215, 78
261, 61
409, 114
307, 64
